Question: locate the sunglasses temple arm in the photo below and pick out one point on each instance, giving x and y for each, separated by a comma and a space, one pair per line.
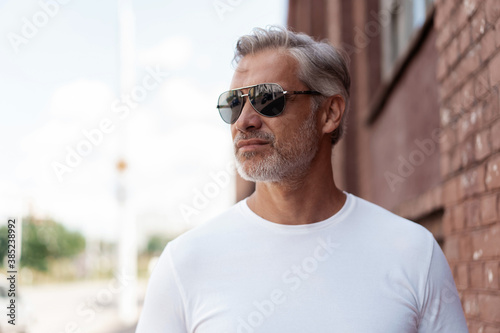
309, 92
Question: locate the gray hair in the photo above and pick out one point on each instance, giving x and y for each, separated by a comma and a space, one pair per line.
322, 67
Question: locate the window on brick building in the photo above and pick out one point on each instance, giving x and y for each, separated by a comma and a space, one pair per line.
405, 18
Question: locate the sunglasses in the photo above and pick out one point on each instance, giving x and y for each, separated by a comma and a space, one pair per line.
268, 99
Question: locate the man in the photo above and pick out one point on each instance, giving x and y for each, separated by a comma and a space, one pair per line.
298, 255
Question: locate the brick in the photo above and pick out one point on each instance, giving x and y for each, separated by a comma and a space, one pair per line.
442, 69
472, 59
467, 152
460, 16
458, 217
465, 247
478, 26
449, 55
472, 181
468, 94
491, 109
445, 91
455, 160
485, 243
467, 65
462, 279
451, 191
493, 173
482, 145
447, 140
489, 305
445, 7
491, 275
472, 213
456, 106
446, 112
445, 164
443, 37
494, 69
453, 52
440, 17
451, 248
464, 40
495, 139
470, 6
476, 116
488, 46
476, 275
497, 36
453, 79
482, 85
489, 213
492, 9
465, 126
447, 221
471, 306
479, 185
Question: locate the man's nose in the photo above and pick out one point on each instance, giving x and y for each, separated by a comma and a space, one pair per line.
249, 119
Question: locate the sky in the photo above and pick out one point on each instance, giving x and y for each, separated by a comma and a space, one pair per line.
65, 123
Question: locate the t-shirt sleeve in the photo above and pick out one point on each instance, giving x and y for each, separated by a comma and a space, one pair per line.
163, 309
441, 308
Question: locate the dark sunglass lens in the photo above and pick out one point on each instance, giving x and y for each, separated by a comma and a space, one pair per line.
268, 99
230, 105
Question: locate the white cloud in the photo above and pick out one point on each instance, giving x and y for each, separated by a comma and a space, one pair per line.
81, 100
172, 53
204, 61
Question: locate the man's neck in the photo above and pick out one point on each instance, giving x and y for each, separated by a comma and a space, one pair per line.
310, 199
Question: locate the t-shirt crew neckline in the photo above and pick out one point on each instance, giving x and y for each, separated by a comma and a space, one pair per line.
301, 228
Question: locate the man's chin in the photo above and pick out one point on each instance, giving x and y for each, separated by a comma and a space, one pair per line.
251, 171
245, 169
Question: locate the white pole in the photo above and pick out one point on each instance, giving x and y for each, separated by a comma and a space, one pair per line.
127, 246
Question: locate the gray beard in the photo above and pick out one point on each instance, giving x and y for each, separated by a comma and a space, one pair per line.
287, 162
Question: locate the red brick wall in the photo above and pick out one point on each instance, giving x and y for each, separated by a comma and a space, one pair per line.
468, 73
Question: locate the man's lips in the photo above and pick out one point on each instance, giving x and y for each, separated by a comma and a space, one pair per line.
251, 144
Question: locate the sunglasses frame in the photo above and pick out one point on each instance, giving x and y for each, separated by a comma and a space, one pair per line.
285, 92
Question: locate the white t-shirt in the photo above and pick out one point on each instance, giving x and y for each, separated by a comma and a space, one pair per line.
362, 270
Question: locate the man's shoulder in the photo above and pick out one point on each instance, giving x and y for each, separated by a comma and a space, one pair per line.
386, 225
374, 213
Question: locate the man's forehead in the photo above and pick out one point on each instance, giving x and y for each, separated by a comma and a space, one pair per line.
264, 67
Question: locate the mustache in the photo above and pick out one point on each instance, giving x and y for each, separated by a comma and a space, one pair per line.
254, 135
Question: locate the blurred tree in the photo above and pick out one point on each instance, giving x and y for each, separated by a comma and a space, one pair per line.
3, 244
44, 240
156, 244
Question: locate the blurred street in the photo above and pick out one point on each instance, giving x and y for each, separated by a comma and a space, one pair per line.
84, 307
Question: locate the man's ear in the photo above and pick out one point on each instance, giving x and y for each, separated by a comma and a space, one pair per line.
333, 112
